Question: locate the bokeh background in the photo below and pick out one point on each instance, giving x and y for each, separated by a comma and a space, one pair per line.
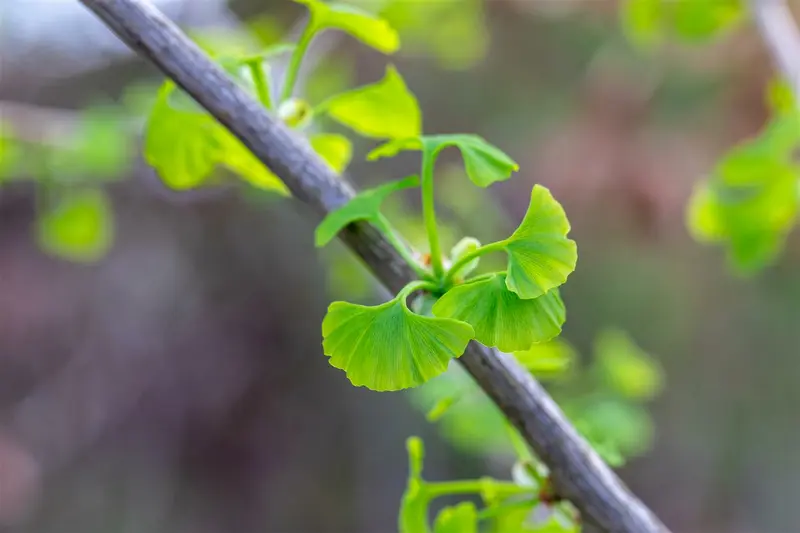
172, 380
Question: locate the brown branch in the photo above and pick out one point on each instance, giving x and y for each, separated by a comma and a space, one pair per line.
781, 35
577, 472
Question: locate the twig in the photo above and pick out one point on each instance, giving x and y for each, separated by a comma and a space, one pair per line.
781, 35
577, 472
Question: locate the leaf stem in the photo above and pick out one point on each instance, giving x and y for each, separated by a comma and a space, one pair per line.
429, 213
383, 224
415, 286
256, 66
297, 58
438, 489
483, 250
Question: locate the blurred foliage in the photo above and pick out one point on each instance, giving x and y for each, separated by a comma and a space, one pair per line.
649, 22
605, 400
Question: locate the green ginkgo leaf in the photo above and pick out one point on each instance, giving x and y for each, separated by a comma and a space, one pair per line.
366, 205
547, 359
501, 318
363, 25
335, 149
185, 147
461, 518
626, 368
484, 162
540, 256
699, 20
78, 226
388, 347
385, 109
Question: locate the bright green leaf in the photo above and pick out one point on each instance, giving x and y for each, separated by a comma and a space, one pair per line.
625, 367
335, 149
484, 163
781, 98
365, 205
461, 518
642, 21
547, 359
78, 226
540, 256
698, 20
185, 148
385, 109
364, 26
388, 347
500, 317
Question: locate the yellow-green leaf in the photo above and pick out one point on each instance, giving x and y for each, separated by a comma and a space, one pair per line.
484, 162
461, 518
385, 109
501, 318
366, 205
547, 359
368, 28
78, 226
335, 149
388, 347
540, 256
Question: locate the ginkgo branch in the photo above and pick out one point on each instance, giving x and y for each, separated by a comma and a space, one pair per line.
780, 32
576, 471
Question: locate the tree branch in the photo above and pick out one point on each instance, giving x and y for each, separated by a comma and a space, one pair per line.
577, 472
782, 37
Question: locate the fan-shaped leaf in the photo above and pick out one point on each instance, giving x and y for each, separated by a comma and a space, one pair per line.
366, 205
540, 256
388, 347
335, 149
500, 317
364, 26
484, 163
185, 147
78, 227
385, 109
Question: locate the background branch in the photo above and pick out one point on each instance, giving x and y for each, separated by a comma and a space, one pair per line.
577, 471
779, 30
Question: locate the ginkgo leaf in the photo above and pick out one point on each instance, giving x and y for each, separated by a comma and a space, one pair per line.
501, 318
413, 516
388, 347
484, 162
185, 147
78, 226
540, 256
699, 20
626, 368
385, 109
363, 25
547, 359
366, 205
335, 149
461, 518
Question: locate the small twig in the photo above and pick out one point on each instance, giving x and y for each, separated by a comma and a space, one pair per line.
781, 35
577, 472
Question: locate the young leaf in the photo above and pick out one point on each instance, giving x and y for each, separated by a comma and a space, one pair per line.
385, 109
79, 227
185, 148
366, 205
500, 317
335, 149
388, 347
465, 246
484, 163
548, 359
540, 256
461, 518
625, 367
364, 26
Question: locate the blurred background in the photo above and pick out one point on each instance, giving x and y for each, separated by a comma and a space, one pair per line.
161, 366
